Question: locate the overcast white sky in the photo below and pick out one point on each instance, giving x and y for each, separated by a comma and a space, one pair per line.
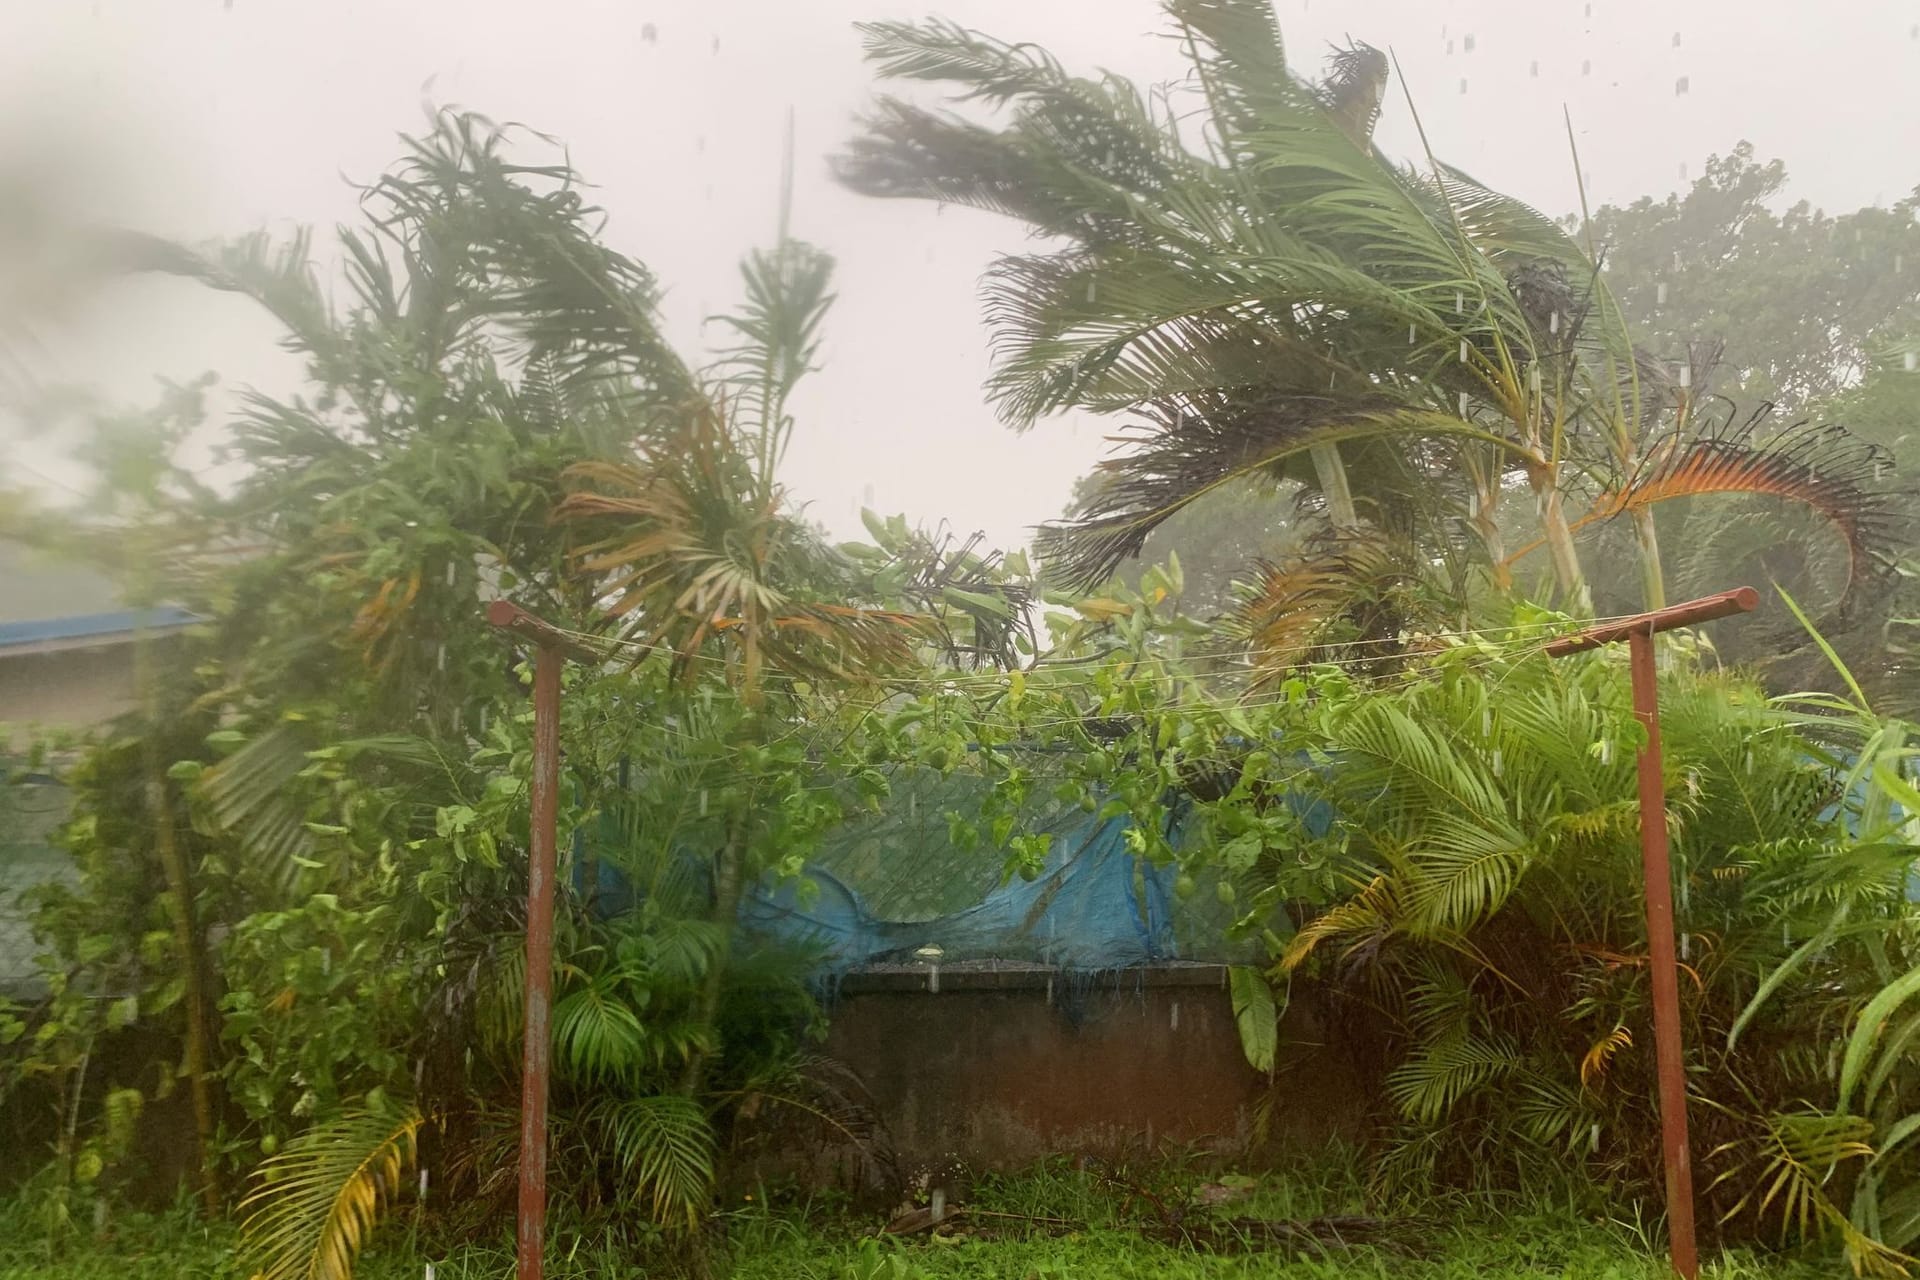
223, 116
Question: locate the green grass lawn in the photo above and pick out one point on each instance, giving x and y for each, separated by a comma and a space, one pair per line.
1465, 1240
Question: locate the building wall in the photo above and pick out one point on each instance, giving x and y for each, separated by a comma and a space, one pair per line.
66, 688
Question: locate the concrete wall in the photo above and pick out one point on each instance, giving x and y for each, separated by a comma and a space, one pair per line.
66, 688
1004, 1066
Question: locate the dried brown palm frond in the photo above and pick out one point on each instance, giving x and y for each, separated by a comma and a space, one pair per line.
692, 552
1357, 596
1354, 87
1821, 466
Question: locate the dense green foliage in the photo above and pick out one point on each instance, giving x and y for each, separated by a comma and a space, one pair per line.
302, 860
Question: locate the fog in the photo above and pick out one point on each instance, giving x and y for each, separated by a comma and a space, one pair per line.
209, 119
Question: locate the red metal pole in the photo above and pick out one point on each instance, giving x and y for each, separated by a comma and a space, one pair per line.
541, 857
1663, 966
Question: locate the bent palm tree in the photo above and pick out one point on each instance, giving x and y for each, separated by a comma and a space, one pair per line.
1278, 301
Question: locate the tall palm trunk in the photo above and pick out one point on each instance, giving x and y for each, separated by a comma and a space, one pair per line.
729, 880
1653, 581
186, 932
1331, 472
1544, 479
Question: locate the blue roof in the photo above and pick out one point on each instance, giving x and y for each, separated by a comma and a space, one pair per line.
87, 626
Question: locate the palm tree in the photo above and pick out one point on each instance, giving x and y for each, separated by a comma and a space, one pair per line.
1276, 299
694, 550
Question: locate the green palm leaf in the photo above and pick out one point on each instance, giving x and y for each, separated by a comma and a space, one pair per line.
318, 1200
666, 1149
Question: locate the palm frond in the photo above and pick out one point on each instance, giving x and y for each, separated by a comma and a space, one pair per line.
1433, 1079
1240, 55
777, 330
666, 1150
597, 1035
320, 1197
1341, 586
1820, 466
1176, 460
1355, 86
249, 795
948, 53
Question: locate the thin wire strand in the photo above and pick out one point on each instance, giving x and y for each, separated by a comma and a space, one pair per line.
610, 648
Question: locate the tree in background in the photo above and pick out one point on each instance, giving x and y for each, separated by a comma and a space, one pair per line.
1815, 312
1796, 297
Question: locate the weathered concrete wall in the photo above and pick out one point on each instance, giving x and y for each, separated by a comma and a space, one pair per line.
1004, 1066
72, 688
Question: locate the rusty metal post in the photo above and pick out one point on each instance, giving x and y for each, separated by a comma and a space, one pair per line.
541, 858
552, 647
1663, 966
1656, 867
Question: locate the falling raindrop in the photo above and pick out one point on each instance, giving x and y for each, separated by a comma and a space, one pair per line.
650, 33
1686, 946
1606, 751
1049, 991
700, 144
1676, 39
423, 1183
1676, 259
1534, 70
450, 567
1449, 48
1486, 722
1093, 290
1466, 43
1553, 323
1586, 68
483, 722
1459, 302
429, 1274
1899, 261
1679, 86
1910, 361
1660, 294
1463, 351
440, 657
1463, 84
716, 44
1683, 171
1749, 762
1686, 376
1173, 1021
1463, 404
1589, 12
703, 802
1410, 335
326, 961
933, 979
1533, 379
1496, 762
